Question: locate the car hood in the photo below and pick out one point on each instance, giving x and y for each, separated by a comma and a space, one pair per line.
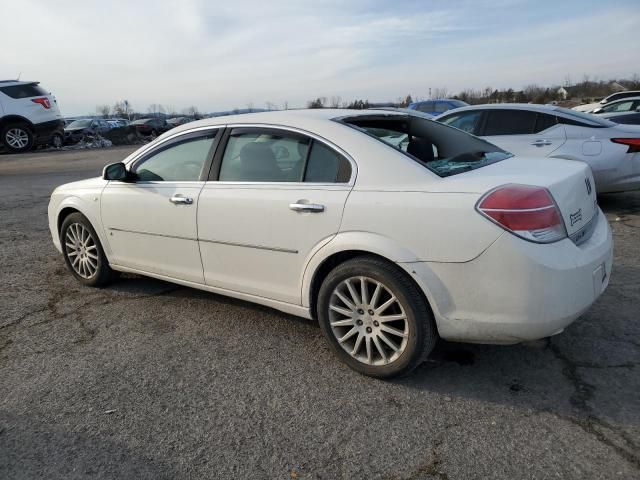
76, 130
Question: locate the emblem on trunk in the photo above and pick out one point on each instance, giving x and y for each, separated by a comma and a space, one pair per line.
587, 182
575, 217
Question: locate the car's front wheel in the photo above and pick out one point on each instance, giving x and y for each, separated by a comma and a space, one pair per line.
17, 138
83, 252
375, 318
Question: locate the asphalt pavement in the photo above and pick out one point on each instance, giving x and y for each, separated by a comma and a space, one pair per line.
149, 380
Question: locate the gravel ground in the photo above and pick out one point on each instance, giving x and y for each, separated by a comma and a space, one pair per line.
145, 379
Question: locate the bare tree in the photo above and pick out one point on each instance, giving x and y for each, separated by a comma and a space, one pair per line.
103, 110
440, 93
271, 106
285, 105
156, 109
335, 102
192, 111
250, 106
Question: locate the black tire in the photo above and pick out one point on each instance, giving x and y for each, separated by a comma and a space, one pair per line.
422, 332
57, 141
8, 136
103, 272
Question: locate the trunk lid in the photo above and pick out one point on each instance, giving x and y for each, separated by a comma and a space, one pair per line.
570, 183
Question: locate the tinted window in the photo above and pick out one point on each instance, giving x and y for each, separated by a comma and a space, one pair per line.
425, 107
509, 122
467, 121
181, 161
574, 117
544, 121
441, 107
618, 107
326, 166
264, 156
24, 91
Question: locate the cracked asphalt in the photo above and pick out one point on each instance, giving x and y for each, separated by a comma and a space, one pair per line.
145, 379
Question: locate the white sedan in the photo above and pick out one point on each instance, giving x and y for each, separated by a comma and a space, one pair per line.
611, 150
389, 229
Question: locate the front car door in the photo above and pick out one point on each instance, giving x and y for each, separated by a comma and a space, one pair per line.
151, 222
275, 196
523, 132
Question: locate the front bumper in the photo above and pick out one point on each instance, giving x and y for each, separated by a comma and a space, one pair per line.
516, 290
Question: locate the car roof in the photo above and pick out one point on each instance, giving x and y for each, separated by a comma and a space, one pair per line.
625, 99
302, 118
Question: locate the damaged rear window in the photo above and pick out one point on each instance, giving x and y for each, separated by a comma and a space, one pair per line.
442, 149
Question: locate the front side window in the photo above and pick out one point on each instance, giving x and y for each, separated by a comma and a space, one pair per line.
257, 155
466, 121
509, 122
181, 161
544, 121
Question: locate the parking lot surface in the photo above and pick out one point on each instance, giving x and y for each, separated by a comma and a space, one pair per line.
145, 379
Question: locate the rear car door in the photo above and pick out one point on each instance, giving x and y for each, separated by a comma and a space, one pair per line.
151, 222
275, 196
523, 132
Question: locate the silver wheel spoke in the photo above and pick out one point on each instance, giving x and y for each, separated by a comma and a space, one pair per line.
81, 250
391, 318
348, 335
92, 255
344, 300
356, 346
352, 292
380, 349
364, 294
342, 311
369, 353
342, 323
393, 331
376, 294
386, 305
386, 340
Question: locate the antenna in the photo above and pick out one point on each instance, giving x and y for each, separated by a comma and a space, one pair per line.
19, 76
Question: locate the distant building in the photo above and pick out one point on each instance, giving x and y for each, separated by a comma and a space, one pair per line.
562, 93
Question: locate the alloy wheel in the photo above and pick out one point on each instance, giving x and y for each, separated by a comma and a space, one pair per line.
368, 321
82, 251
17, 138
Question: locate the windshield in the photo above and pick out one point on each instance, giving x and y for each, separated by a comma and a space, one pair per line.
140, 122
79, 124
442, 149
585, 117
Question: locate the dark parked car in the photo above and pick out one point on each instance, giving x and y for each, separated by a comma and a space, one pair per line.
78, 129
174, 122
436, 107
151, 126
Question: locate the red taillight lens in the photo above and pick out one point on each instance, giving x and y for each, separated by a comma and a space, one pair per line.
526, 211
632, 143
44, 101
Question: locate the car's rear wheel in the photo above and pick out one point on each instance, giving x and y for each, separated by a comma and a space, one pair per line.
83, 252
17, 138
375, 318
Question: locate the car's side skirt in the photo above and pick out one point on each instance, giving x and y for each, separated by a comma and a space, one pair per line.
289, 308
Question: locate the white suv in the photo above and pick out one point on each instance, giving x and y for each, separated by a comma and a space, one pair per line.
29, 116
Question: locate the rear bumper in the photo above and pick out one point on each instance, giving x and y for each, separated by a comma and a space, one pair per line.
516, 290
624, 178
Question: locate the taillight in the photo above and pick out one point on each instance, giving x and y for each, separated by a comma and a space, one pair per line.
632, 143
526, 211
44, 101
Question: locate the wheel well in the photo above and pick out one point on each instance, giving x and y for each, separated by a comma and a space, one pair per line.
336, 259
10, 119
64, 213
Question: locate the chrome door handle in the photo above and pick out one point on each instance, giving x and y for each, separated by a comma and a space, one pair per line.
180, 200
541, 143
306, 207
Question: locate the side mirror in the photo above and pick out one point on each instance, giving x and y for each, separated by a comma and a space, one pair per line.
116, 171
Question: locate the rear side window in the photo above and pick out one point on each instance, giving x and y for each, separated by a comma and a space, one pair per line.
425, 107
441, 107
24, 91
326, 166
509, 122
544, 121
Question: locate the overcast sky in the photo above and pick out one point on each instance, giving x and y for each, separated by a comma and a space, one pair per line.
221, 55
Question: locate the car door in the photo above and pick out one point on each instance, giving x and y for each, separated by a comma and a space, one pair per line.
275, 196
151, 221
523, 132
